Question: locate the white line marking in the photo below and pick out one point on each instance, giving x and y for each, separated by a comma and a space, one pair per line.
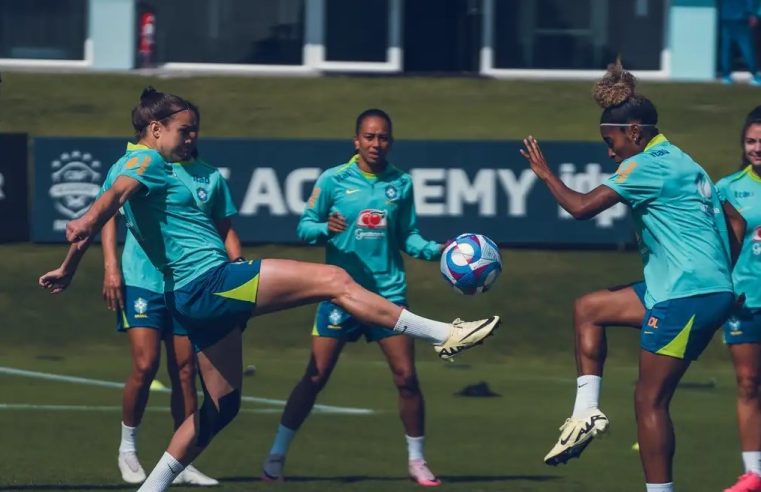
104, 408
12, 371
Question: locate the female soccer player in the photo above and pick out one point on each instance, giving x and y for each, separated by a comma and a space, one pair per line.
687, 293
742, 332
364, 213
135, 290
207, 293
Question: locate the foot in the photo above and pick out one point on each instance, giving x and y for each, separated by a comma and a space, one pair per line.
192, 476
575, 436
272, 468
465, 335
422, 475
130, 468
749, 482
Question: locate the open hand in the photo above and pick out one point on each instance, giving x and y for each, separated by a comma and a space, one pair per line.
535, 158
112, 289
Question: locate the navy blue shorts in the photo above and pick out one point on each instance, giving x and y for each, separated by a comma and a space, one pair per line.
683, 328
219, 301
331, 321
743, 326
146, 309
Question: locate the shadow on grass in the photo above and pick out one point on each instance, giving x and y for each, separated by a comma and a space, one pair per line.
70, 486
370, 478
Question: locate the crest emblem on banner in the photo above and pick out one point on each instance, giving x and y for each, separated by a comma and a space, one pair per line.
76, 181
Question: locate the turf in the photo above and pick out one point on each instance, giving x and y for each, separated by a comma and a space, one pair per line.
491, 444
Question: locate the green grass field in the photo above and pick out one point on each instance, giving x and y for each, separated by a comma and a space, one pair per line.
64, 436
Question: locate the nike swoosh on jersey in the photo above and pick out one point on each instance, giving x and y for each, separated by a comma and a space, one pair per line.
349, 192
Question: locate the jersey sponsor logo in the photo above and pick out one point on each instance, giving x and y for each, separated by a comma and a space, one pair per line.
76, 181
743, 194
371, 224
653, 322
351, 192
201, 179
624, 171
659, 153
141, 306
202, 194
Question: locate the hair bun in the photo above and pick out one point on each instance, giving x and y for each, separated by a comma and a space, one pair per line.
615, 87
148, 93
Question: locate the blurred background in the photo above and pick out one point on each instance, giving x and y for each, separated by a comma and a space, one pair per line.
279, 84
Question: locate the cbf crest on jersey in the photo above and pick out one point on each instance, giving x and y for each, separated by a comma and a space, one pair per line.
202, 194
141, 306
76, 181
392, 193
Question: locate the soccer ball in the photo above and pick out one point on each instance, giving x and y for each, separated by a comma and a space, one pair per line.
471, 263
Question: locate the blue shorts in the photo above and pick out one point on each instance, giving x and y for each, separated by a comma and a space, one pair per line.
146, 309
683, 328
743, 326
331, 321
219, 301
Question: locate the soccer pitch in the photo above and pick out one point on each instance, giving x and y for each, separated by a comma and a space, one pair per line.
60, 430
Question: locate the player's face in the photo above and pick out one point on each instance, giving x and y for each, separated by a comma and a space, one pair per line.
373, 142
752, 144
177, 138
621, 142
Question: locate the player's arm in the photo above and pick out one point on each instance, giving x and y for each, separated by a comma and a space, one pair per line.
736, 228
231, 239
413, 243
81, 231
580, 205
112, 274
315, 224
56, 281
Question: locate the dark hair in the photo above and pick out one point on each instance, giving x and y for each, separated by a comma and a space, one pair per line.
615, 93
369, 113
753, 118
158, 106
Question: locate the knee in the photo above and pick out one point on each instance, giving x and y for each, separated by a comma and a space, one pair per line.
213, 419
144, 367
338, 281
315, 381
748, 386
186, 372
647, 399
406, 382
585, 308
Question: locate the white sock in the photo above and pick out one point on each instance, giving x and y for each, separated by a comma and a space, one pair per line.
660, 487
419, 327
752, 460
587, 394
162, 474
415, 447
129, 439
283, 439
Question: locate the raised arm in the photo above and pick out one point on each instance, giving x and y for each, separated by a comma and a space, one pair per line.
580, 205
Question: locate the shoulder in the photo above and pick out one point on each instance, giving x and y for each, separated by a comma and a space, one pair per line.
336, 174
728, 181
205, 167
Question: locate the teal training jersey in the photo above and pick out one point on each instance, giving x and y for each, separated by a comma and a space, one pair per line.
681, 229
172, 217
740, 190
380, 221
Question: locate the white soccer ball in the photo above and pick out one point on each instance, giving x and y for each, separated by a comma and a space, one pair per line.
471, 263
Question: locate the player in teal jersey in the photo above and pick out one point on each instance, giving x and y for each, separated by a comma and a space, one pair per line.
742, 332
211, 296
687, 293
364, 214
135, 290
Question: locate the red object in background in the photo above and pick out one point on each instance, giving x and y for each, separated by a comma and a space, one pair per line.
146, 38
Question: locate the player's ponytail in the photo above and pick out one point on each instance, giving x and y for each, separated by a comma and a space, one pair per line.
158, 106
616, 93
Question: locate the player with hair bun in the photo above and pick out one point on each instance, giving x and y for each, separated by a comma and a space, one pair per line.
687, 292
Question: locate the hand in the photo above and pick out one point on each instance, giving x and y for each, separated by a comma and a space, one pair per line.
336, 223
535, 158
113, 292
56, 280
79, 232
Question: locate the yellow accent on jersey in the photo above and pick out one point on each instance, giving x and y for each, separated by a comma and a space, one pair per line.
660, 138
246, 292
678, 346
